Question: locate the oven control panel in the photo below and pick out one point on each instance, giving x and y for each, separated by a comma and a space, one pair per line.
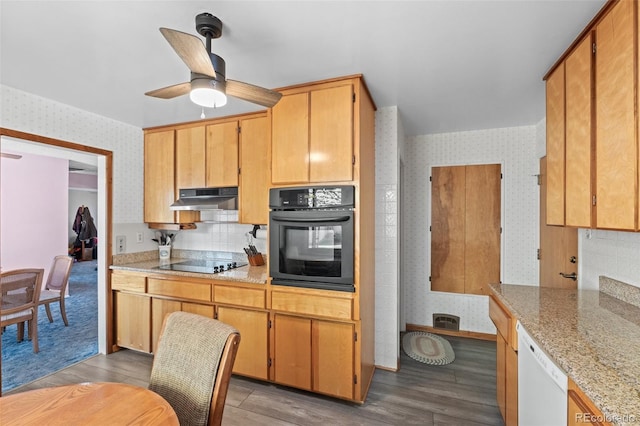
312, 197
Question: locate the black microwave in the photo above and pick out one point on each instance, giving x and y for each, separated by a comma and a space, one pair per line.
311, 237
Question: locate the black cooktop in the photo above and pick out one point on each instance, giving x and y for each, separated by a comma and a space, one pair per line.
203, 266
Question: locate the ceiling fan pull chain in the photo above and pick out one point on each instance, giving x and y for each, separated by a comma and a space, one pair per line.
202, 115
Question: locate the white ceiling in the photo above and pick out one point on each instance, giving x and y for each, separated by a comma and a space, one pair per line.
448, 65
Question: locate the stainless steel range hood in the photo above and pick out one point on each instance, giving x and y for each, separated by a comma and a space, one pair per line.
225, 198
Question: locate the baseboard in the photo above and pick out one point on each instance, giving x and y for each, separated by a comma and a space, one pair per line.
460, 333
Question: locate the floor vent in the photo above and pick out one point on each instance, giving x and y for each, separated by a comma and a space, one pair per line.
446, 321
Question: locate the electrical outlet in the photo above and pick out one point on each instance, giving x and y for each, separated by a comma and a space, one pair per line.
139, 237
121, 244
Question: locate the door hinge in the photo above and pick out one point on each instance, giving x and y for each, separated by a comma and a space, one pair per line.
355, 336
215, 315
355, 379
539, 177
269, 362
430, 178
593, 200
538, 254
353, 160
269, 324
500, 176
239, 170
354, 98
593, 48
239, 129
501, 229
429, 278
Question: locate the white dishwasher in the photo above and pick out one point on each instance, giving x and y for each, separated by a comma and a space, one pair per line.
542, 385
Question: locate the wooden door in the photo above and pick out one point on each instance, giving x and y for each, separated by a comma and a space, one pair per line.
252, 358
290, 139
292, 351
331, 130
558, 245
465, 228
447, 229
616, 145
579, 139
482, 227
159, 188
190, 160
332, 360
222, 154
254, 170
556, 146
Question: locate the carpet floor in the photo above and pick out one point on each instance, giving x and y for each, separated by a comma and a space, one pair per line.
60, 346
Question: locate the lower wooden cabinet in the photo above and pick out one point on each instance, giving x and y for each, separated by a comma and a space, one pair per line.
315, 355
580, 409
252, 358
133, 321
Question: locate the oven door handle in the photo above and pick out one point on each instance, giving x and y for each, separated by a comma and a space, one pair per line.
311, 220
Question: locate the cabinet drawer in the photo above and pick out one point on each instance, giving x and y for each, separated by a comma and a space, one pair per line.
500, 318
180, 289
128, 282
312, 304
250, 297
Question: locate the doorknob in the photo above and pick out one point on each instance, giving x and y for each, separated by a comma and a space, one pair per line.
572, 275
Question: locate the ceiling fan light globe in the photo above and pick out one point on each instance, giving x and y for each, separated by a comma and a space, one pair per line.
205, 93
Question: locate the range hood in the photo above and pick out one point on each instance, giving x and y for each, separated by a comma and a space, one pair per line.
225, 198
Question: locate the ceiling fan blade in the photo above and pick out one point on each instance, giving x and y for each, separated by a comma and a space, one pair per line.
171, 91
191, 50
256, 94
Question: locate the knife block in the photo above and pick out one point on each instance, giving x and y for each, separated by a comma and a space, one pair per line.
256, 259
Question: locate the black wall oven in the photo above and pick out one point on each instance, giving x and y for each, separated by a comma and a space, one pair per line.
311, 237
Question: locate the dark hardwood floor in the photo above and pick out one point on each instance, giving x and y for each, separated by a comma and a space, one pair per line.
461, 393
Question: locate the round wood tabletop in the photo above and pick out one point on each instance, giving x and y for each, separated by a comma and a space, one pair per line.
87, 404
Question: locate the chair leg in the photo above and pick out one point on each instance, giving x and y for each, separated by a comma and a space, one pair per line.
20, 334
48, 309
33, 334
63, 311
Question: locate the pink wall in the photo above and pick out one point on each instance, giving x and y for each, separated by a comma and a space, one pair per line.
34, 214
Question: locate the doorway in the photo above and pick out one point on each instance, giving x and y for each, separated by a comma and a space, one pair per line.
102, 159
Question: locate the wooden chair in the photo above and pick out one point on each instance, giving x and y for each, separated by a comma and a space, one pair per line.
192, 366
20, 294
56, 286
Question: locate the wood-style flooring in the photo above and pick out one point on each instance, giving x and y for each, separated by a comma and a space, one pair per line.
461, 393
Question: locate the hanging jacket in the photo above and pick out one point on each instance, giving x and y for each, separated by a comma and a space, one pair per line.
88, 229
77, 222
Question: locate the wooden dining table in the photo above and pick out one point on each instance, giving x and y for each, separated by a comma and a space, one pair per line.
101, 403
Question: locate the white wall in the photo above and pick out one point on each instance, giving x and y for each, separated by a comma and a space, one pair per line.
515, 149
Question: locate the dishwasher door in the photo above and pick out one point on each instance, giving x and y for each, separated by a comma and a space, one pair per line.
542, 385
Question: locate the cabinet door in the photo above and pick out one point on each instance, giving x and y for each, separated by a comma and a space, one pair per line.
292, 351
253, 356
511, 383
190, 159
254, 171
290, 139
616, 146
555, 146
332, 351
331, 130
159, 189
222, 154
160, 308
198, 309
579, 139
133, 321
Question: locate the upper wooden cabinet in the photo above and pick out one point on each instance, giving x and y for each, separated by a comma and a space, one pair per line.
592, 141
222, 154
160, 188
313, 133
254, 170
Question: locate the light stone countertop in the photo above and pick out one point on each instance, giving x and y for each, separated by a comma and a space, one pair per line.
148, 262
593, 336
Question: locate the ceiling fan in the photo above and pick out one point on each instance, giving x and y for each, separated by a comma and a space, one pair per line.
208, 86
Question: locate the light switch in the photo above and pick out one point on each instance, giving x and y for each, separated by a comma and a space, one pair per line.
139, 237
